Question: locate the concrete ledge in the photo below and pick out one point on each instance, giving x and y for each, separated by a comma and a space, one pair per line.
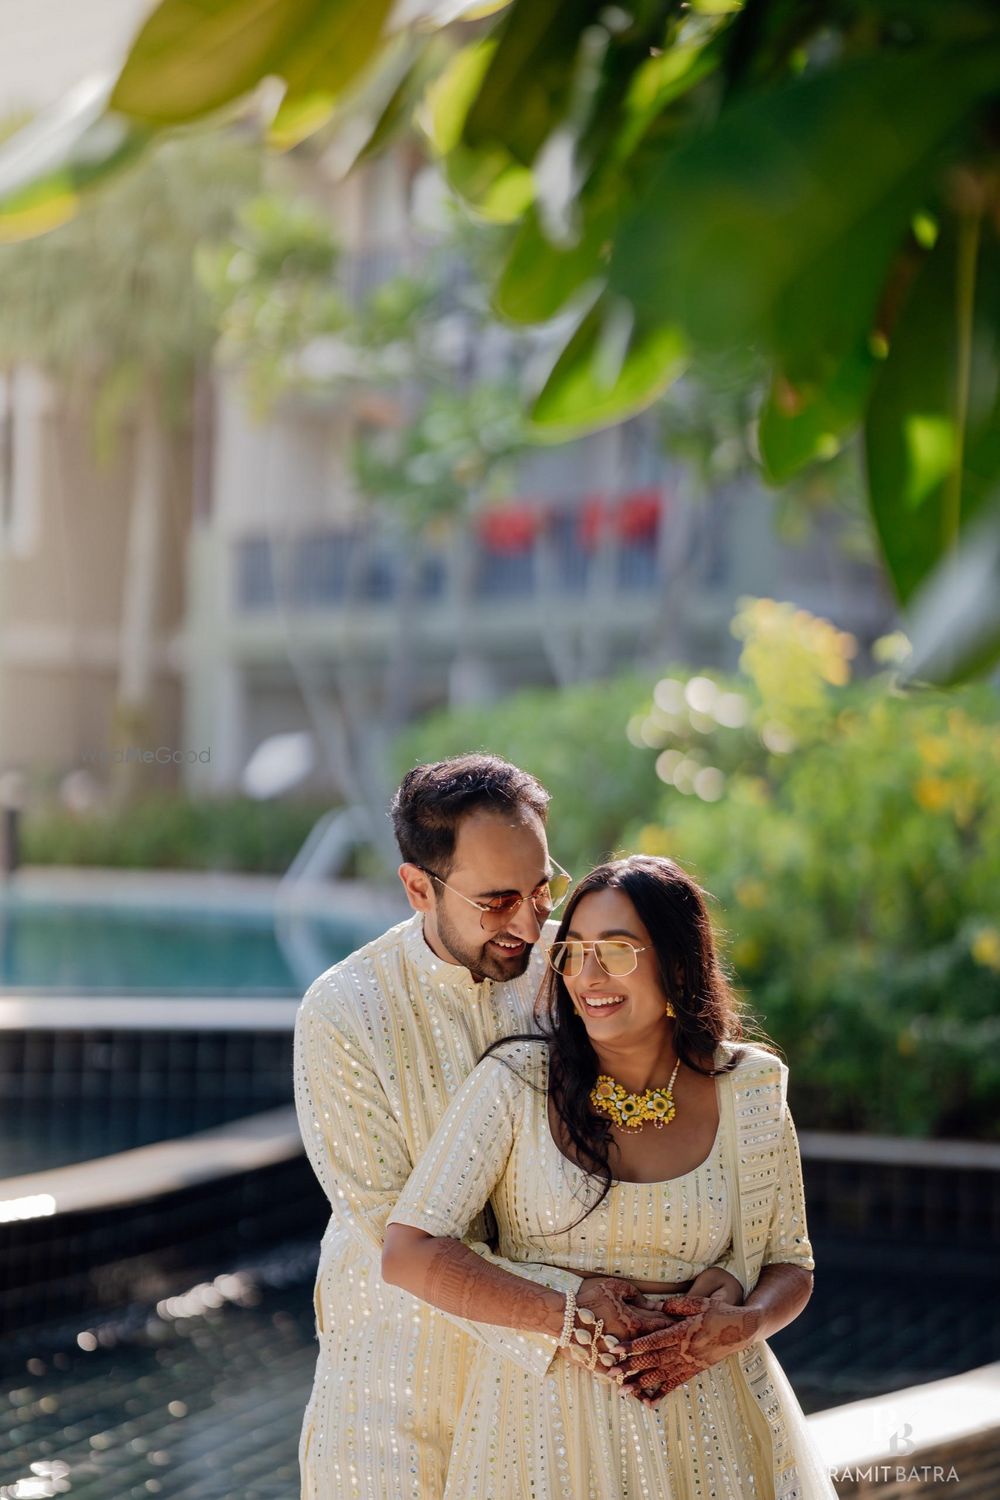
152, 1171
32, 1011
899, 1150
873, 1446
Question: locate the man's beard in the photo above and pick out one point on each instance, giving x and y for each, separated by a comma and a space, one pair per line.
483, 959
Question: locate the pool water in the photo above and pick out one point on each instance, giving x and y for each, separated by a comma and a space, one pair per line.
97, 949
211, 1405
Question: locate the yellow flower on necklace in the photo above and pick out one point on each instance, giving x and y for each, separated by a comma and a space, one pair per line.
660, 1106
631, 1111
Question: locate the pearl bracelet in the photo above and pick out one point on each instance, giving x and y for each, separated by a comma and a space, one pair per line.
566, 1337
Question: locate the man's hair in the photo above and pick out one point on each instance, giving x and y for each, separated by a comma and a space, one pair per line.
432, 800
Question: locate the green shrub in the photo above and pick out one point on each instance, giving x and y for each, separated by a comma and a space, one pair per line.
170, 832
848, 834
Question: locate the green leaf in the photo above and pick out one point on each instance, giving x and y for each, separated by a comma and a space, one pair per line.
48, 163
775, 225
610, 369
954, 620
330, 53
528, 84
425, 60
538, 278
365, 109
798, 425
499, 188
658, 81
930, 465
193, 56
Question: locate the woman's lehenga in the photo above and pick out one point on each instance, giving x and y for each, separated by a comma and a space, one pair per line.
572, 1435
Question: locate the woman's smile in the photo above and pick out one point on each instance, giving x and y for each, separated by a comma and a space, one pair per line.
607, 1004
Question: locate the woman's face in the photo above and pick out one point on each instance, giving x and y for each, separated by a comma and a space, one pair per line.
616, 1009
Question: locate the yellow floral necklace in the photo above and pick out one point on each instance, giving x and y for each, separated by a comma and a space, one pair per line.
632, 1111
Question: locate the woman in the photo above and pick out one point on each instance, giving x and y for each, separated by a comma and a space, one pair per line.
594, 1162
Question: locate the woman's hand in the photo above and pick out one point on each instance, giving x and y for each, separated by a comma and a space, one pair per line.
625, 1310
705, 1331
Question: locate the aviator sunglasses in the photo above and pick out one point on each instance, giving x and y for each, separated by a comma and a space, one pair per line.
545, 898
614, 955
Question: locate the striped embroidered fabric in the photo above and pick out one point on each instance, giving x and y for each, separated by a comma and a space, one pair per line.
411, 1404
383, 1041
569, 1436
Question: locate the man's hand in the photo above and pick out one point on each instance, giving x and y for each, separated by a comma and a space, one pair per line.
714, 1280
704, 1331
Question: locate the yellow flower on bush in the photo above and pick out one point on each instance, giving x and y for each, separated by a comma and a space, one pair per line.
932, 793
986, 948
751, 893
654, 839
933, 750
746, 953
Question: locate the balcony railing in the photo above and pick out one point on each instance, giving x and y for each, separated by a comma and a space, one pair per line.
510, 552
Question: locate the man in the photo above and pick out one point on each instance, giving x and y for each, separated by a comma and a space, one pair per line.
383, 1041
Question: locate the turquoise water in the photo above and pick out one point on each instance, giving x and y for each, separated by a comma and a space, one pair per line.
94, 949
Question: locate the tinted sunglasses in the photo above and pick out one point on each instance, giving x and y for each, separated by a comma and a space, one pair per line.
614, 955
497, 912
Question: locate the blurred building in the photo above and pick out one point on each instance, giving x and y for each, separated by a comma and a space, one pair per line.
603, 555
281, 600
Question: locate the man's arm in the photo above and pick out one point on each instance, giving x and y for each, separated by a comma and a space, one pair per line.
360, 1156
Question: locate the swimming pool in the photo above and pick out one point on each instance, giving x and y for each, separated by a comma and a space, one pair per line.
85, 949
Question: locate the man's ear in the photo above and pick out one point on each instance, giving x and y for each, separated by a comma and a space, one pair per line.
418, 887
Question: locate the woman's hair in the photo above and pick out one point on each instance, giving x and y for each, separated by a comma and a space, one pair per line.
433, 799
672, 908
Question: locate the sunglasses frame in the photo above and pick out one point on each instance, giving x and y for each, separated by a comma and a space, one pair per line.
593, 947
516, 903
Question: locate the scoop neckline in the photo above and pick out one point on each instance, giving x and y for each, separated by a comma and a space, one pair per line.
629, 1181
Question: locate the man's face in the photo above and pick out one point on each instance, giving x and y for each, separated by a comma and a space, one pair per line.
495, 855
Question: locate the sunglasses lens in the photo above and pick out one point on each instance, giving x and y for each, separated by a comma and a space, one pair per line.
566, 958
497, 914
615, 958
558, 888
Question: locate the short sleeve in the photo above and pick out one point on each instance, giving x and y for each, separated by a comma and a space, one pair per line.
466, 1156
788, 1237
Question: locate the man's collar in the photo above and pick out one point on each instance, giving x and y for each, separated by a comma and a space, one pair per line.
426, 962
423, 958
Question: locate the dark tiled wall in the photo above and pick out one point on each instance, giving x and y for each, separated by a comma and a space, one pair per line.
61, 1067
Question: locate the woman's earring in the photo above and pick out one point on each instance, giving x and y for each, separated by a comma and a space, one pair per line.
670, 1009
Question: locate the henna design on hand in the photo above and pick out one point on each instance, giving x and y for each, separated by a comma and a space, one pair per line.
460, 1282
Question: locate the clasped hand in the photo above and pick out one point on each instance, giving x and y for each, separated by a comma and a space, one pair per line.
668, 1342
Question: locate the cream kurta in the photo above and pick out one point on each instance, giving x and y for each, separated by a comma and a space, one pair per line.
733, 1432
383, 1042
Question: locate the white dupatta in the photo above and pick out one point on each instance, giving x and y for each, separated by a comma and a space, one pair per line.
762, 1158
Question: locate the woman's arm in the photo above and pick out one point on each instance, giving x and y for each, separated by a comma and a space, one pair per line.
450, 1276
781, 1292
